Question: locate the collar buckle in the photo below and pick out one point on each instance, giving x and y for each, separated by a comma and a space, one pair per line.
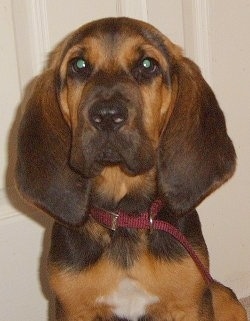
114, 219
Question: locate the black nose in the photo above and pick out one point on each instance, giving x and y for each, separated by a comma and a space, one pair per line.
108, 115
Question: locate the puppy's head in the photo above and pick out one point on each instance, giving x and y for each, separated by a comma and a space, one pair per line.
120, 106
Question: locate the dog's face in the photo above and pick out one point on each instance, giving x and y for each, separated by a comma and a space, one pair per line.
115, 94
114, 97
121, 112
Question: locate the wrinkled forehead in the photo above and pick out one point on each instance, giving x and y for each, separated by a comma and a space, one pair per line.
113, 42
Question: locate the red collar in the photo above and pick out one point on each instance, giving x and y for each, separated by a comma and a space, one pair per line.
147, 220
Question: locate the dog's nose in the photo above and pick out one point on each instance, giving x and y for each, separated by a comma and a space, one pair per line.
108, 116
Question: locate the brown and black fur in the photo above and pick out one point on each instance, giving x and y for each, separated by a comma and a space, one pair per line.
170, 143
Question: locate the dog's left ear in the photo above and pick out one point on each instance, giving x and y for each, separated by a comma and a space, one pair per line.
196, 155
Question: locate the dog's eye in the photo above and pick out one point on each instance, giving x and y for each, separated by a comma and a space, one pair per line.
80, 67
146, 69
79, 64
148, 65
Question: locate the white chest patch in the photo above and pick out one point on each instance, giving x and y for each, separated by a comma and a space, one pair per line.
129, 300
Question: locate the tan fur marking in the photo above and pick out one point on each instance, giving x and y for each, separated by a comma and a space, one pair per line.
124, 52
156, 101
226, 307
114, 184
153, 52
168, 106
80, 293
166, 282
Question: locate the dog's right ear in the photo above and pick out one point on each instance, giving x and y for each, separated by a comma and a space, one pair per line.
43, 174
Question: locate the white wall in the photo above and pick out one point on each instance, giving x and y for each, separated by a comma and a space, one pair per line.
216, 35
9, 81
226, 214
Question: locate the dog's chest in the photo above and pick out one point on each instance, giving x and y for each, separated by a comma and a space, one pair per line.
128, 300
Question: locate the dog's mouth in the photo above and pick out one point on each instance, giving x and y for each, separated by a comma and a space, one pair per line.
133, 153
109, 157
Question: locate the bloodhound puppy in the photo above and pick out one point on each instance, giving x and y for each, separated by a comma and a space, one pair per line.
121, 139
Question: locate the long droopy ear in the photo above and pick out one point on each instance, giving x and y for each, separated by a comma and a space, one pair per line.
43, 175
195, 154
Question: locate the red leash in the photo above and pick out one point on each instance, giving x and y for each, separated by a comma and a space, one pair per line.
146, 220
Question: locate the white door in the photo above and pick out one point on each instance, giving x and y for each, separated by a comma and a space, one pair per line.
213, 33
